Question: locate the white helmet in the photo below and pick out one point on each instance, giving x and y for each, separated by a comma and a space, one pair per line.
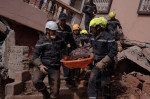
51, 25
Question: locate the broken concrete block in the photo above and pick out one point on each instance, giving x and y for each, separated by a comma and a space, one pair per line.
146, 52
14, 88
132, 81
146, 88
22, 76
145, 96
143, 78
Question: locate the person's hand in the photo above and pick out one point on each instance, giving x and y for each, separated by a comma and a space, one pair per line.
100, 64
43, 69
65, 57
79, 58
120, 31
119, 48
104, 62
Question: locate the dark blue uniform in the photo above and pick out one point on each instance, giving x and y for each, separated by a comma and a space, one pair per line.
104, 45
88, 14
49, 52
77, 39
112, 28
67, 35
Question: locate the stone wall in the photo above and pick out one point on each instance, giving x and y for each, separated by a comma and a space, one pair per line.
14, 58
17, 59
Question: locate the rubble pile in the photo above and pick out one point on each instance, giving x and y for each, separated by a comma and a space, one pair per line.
130, 86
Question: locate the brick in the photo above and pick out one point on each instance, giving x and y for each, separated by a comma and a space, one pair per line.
14, 88
132, 81
146, 88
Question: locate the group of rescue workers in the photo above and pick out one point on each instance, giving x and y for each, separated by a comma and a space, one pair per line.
103, 37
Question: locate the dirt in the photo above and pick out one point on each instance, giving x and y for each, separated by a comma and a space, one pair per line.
130, 86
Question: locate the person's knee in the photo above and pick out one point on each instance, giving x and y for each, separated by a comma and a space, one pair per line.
35, 81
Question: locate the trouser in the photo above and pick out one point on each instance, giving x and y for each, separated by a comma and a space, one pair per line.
87, 22
53, 79
67, 74
99, 76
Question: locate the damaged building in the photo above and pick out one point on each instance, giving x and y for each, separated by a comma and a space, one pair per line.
22, 24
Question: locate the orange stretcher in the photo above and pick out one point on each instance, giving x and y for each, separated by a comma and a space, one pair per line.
72, 64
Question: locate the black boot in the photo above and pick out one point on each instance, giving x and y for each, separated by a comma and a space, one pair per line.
45, 93
68, 84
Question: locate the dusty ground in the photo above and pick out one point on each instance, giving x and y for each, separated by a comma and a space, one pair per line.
131, 86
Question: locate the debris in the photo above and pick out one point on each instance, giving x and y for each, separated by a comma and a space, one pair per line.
131, 86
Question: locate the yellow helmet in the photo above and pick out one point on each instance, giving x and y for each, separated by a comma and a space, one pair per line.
101, 18
103, 22
84, 32
76, 27
94, 22
112, 14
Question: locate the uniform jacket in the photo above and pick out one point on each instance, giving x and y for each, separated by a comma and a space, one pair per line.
112, 28
103, 45
89, 14
67, 35
49, 51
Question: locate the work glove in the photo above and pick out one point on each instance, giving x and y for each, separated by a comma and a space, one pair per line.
65, 57
119, 46
91, 52
120, 31
104, 62
43, 69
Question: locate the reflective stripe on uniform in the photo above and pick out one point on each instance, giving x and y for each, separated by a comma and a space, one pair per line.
113, 22
42, 44
64, 31
103, 40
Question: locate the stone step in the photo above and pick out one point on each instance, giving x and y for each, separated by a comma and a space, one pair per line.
65, 93
37, 96
29, 84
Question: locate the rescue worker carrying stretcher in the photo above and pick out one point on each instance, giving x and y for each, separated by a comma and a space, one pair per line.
65, 32
103, 48
46, 57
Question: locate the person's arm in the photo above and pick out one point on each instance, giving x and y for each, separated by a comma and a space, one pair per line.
64, 49
86, 9
118, 24
71, 39
112, 47
36, 58
36, 54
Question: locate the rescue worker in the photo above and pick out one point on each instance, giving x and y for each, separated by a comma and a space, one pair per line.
103, 48
46, 57
113, 23
65, 31
76, 34
90, 11
84, 37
